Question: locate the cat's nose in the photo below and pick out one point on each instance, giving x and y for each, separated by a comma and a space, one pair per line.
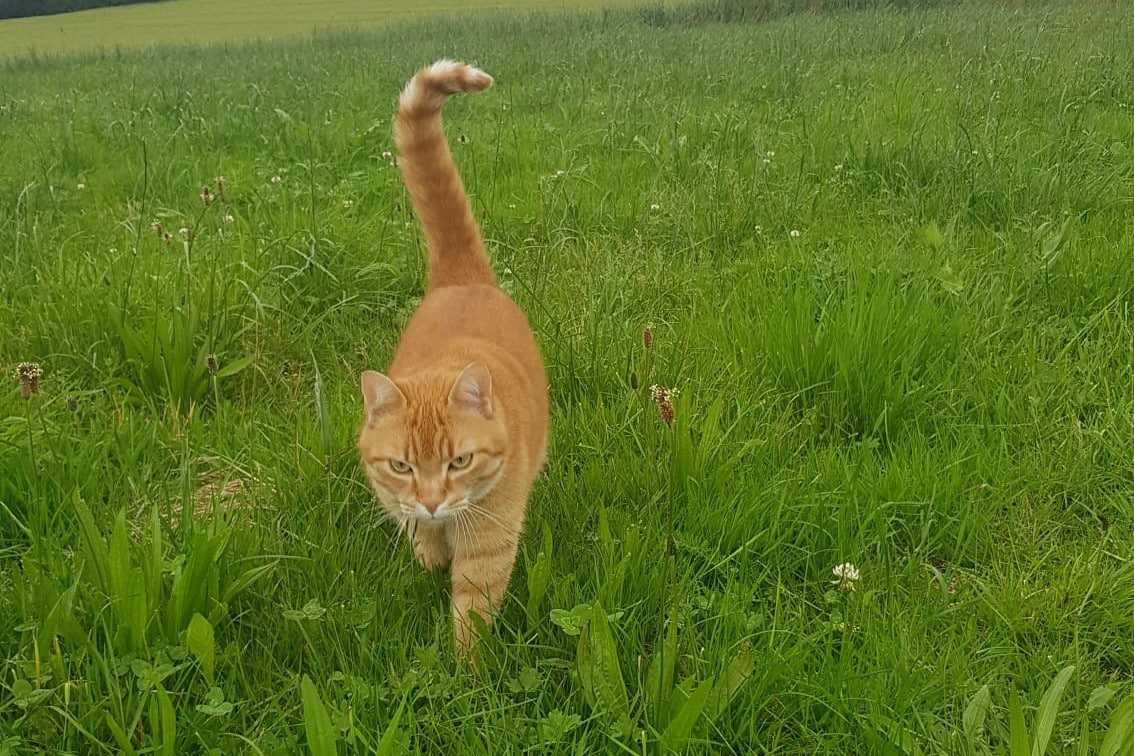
432, 504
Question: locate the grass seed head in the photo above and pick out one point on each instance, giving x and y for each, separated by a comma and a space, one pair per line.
29, 374
663, 398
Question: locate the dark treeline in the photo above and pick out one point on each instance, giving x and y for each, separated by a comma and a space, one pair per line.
21, 8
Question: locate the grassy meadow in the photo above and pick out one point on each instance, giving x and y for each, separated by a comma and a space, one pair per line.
885, 257
197, 22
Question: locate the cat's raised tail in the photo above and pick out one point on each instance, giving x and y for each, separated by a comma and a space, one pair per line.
456, 252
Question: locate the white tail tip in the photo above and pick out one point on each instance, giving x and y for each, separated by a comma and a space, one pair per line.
431, 85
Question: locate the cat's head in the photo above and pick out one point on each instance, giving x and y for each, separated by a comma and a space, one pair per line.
431, 445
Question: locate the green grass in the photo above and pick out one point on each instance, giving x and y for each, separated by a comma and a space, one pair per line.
931, 380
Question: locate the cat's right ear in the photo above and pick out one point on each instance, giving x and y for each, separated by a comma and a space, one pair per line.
380, 396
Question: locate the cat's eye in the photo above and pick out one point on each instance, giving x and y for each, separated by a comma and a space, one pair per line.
400, 467
461, 462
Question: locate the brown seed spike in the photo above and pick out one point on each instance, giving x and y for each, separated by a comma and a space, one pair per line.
29, 374
663, 398
648, 337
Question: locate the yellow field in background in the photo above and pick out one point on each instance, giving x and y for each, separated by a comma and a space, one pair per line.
194, 22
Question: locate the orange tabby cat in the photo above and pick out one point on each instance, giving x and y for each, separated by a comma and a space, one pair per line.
456, 432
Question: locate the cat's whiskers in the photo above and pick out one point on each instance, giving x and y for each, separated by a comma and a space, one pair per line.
495, 519
457, 531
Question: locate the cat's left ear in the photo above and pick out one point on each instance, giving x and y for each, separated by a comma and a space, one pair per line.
472, 390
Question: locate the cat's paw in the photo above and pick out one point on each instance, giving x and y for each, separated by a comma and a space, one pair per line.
431, 550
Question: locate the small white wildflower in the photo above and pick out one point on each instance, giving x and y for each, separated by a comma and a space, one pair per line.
80, 186
847, 576
838, 166
767, 161
759, 229
559, 174
348, 204
276, 179
771, 153
185, 233
794, 233
655, 207
511, 206
229, 219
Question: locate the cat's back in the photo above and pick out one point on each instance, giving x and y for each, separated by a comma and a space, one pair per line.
476, 313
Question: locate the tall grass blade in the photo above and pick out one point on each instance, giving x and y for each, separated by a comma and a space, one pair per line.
975, 714
1119, 739
1049, 709
1018, 742
321, 737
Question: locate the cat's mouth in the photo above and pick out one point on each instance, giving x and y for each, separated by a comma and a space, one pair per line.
446, 510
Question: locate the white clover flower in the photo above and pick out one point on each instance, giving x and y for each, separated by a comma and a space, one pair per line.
771, 153
229, 219
276, 179
838, 166
847, 576
655, 207
348, 204
794, 233
80, 186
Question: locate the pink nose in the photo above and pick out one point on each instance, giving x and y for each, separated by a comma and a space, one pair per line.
431, 505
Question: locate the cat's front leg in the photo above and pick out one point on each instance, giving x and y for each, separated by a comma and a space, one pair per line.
482, 567
430, 546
